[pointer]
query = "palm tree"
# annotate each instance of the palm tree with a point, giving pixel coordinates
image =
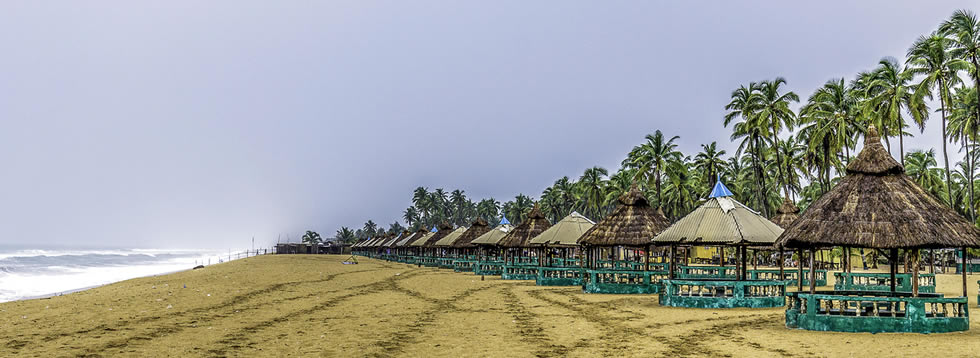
(458, 203)
(395, 228)
(420, 199)
(744, 106)
(411, 217)
(618, 184)
(773, 110)
(890, 92)
(516, 211)
(680, 193)
(651, 158)
(792, 152)
(488, 209)
(929, 56)
(709, 161)
(311, 237)
(964, 123)
(829, 121)
(922, 169)
(345, 235)
(370, 228)
(592, 191)
(963, 30)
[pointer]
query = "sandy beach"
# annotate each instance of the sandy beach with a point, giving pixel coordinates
(315, 306)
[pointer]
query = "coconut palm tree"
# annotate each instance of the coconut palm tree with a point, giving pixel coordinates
(963, 30)
(792, 152)
(651, 157)
(964, 123)
(829, 124)
(618, 184)
(312, 238)
(709, 162)
(345, 235)
(773, 110)
(412, 218)
(489, 209)
(929, 57)
(921, 167)
(751, 129)
(370, 228)
(591, 191)
(890, 93)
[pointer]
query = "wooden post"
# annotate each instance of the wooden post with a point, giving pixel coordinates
(893, 267)
(646, 258)
(963, 271)
(813, 273)
(915, 273)
(673, 260)
(846, 261)
(781, 260)
(799, 274)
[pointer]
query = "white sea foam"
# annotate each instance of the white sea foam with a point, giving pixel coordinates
(27, 273)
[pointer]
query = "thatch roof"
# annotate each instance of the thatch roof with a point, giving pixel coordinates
(493, 236)
(409, 238)
(632, 223)
(444, 229)
(448, 240)
(397, 238)
(787, 213)
(876, 205)
(565, 232)
(531, 227)
(477, 228)
(721, 221)
(420, 240)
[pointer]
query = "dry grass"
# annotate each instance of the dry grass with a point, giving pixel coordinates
(313, 306)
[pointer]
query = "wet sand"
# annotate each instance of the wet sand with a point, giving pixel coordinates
(303, 305)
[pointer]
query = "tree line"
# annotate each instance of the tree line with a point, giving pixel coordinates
(782, 152)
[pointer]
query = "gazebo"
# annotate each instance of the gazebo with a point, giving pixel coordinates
(442, 248)
(464, 247)
(877, 206)
(429, 256)
(416, 245)
(623, 237)
(519, 263)
(490, 261)
(561, 241)
(720, 221)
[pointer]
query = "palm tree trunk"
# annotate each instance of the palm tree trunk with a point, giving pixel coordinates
(969, 182)
(901, 148)
(942, 104)
(756, 159)
(779, 162)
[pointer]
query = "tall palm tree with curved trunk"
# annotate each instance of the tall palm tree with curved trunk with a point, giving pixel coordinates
(964, 123)
(710, 161)
(650, 159)
(618, 184)
(411, 216)
(963, 30)
(751, 135)
(923, 171)
(792, 161)
(890, 93)
(591, 191)
(345, 235)
(773, 110)
(744, 106)
(929, 57)
(829, 122)
(489, 210)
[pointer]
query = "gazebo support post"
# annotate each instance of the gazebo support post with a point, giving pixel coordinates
(673, 260)
(915, 273)
(646, 258)
(846, 264)
(721, 256)
(963, 271)
(893, 266)
(781, 274)
(813, 273)
(799, 267)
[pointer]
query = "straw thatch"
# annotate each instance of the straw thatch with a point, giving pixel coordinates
(787, 214)
(397, 238)
(633, 223)
(444, 229)
(420, 240)
(493, 236)
(721, 221)
(565, 232)
(533, 226)
(477, 229)
(448, 240)
(876, 205)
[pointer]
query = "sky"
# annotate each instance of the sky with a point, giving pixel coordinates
(202, 124)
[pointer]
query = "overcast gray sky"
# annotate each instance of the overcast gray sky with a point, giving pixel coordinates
(181, 124)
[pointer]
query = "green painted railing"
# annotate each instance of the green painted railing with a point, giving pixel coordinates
(630, 265)
(445, 262)
(876, 312)
(464, 265)
(866, 281)
(973, 267)
(490, 268)
(621, 281)
(712, 272)
(559, 276)
(710, 293)
(427, 261)
(788, 275)
(519, 272)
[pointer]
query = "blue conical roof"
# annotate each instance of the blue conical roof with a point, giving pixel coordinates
(434, 229)
(504, 221)
(719, 190)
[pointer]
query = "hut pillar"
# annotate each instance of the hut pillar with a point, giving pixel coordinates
(813, 272)
(799, 267)
(893, 266)
(673, 260)
(781, 263)
(846, 260)
(915, 273)
(963, 272)
(721, 256)
(646, 258)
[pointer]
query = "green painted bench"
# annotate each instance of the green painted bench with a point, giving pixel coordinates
(711, 293)
(621, 281)
(519, 272)
(489, 268)
(788, 275)
(867, 281)
(559, 276)
(876, 312)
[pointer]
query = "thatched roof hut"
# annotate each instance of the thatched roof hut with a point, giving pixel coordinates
(421, 240)
(492, 237)
(787, 214)
(448, 240)
(411, 237)
(721, 220)
(633, 223)
(443, 229)
(477, 229)
(876, 205)
(533, 226)
(565, 232)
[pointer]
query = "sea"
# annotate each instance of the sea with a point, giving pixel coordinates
(32, 273)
